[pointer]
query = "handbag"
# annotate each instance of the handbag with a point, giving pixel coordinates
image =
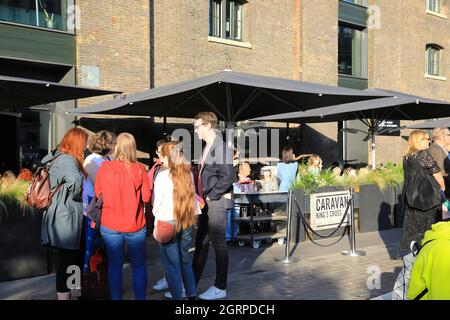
(164, 231)
(95, 284)
(401, 284)
(423, 192)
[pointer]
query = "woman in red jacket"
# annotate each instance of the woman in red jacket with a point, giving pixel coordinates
(124, 185)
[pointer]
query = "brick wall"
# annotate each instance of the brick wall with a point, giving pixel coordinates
(318, 63)
(114, 36)
(397, 59)
(182, 49)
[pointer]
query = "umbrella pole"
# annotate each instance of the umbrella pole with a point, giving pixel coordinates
(373, 150)
(50, 132)
(164, 126)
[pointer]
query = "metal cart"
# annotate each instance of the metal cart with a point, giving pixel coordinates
(245, 202)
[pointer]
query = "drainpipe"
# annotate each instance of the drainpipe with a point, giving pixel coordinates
(152, 44)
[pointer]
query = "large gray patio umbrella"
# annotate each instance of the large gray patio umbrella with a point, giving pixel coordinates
(441, 123)
(372, 112)
(21, 92)
(233, 96)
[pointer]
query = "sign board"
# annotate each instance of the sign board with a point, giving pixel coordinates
(327, 209)
(389, 124)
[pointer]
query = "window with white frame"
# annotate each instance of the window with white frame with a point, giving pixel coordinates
(225, 19)
(433, 63)
(434, 6)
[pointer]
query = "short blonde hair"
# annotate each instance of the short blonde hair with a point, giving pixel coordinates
(438, 133)
(415, 142)
(125, 148)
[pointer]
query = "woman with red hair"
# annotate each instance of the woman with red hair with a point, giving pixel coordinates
(63, 220)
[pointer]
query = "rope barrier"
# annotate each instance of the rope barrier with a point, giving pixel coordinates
(305, 223)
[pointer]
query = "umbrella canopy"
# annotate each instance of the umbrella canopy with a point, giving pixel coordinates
(372, 113)
(233, 96)
(22, 93)
(442, 123)
(399, 106)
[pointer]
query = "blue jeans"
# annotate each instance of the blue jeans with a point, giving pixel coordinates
(92, 243)
(178, 266)
(231, 214)
(115, 247)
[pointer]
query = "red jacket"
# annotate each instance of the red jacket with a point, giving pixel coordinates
(124, 190)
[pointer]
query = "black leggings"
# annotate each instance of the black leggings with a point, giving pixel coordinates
(66, 258)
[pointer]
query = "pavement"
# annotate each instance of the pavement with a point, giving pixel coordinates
(321, 272)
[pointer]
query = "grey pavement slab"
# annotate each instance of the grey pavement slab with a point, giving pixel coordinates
(321, 273)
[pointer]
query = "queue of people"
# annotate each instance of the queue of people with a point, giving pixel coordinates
(179, 198)
(176, 198)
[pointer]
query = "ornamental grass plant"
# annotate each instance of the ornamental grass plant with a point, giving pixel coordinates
(388, 175)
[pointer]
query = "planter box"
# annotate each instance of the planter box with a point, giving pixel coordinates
(298, 230)
(21, 254)
(375, 210)
(398, 209)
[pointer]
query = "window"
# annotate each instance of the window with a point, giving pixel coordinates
(433, 60)
(226, 19)
(363, 3)
(50, 14)
(434, 6)
(352, 51)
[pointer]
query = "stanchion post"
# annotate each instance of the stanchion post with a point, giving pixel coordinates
(287, 259)
(352, 252)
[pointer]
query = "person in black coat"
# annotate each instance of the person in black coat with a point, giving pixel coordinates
(215, 185)
(423, 190)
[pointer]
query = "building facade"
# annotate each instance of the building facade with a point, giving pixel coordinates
(132, 46)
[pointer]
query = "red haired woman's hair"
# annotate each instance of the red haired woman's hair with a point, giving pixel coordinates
(74, 143)
(183, 185)
(25, 175)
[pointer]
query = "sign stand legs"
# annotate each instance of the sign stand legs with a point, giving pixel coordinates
(287, 259)
(352, 252)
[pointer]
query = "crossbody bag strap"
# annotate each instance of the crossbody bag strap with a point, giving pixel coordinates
(424, 291)
(59, 186)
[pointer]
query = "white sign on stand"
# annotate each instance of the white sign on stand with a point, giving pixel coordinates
(327, 209)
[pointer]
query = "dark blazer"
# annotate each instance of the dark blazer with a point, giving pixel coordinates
(217, 173)
(440, 156)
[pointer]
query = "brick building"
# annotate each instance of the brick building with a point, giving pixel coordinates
(136, 45)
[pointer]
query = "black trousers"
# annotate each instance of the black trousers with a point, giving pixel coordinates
(67, 258)
(212, 224)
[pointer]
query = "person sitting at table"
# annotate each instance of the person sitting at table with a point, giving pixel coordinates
(244, 172)
(314, 164)
(287, 169)
(268, 182)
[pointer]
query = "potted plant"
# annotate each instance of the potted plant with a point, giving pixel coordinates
(377, 193)
(21, 255)
(49, 19)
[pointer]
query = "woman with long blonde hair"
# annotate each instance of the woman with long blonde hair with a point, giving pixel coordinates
(124, 186)
(423, 189)
(175, 204)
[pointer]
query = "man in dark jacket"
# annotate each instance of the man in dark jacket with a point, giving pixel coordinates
(438, 150)
(215, 185)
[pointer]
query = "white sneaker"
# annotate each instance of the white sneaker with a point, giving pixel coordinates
(213, 293)
(161, 285)
(168, 295)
